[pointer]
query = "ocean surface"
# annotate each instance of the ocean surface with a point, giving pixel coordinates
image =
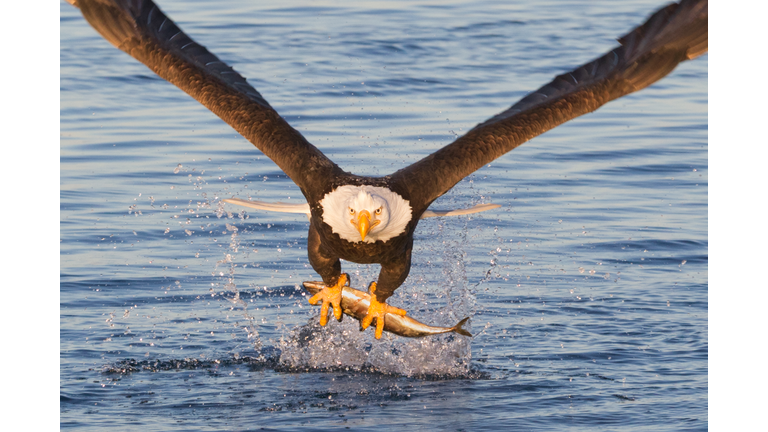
(587, 290)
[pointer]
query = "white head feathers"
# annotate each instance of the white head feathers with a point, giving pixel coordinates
(388, 208)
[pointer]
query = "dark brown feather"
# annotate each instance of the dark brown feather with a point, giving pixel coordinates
(139, 28)
(673, 34)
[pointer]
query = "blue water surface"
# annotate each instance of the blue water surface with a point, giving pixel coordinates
(587, 289)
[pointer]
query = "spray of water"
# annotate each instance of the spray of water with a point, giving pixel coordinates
(230, 286)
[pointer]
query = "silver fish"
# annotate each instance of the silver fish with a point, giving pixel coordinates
(355, 304)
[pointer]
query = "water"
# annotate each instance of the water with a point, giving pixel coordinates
(587, 289)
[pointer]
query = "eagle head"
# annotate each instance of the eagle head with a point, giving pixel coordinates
(365, 213)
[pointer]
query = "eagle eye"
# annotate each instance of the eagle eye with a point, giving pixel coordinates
(378, 211)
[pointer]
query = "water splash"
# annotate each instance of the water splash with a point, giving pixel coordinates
(343, 346)
(231, 286)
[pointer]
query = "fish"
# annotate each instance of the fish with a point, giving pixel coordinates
(355, 304)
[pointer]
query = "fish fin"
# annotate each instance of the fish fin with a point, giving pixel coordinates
(274, 206)
(458, 328)
(476, 209)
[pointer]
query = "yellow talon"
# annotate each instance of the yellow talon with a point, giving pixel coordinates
(330, 295)
(378, 310)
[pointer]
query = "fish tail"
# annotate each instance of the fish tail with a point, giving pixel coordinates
(458, 328)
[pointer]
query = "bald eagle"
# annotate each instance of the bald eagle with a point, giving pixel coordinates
(373, 219)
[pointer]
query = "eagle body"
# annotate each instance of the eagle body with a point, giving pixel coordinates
(328, 241)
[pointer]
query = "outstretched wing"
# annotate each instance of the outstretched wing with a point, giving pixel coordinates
(673, 34)
(139, 28)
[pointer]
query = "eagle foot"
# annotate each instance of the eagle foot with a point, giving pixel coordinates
(378, 310)
(330, 295)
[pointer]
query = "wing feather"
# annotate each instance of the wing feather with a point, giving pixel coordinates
(140, 28)
(649, 52)
(279, 207)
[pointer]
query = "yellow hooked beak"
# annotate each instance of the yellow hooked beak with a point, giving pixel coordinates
(363, 223)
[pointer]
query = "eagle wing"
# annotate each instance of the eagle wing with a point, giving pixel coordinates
(646, 54)
(140, 28)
